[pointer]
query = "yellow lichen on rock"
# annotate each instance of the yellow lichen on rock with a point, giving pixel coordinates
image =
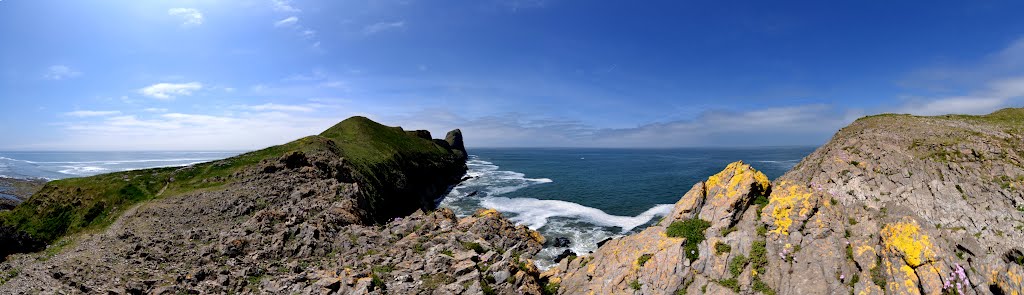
(536, 236)
(486, 213)
(906, 238)
(738, 174)
(783, 201)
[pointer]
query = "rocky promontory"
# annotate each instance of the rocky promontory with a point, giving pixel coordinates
(893, 204)
(348, 211)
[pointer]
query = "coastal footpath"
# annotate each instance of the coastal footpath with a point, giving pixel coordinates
(893, 204)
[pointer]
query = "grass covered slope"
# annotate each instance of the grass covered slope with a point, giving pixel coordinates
(382, 158)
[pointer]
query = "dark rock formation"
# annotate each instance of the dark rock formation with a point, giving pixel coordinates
(561, 242)
(14, 241)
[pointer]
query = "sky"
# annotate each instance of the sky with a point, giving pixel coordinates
(243, 75)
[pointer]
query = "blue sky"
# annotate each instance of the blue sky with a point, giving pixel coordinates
(240, 75)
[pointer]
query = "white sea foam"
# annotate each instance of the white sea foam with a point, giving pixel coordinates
(82, 170)
(584, 226)
(535, 213)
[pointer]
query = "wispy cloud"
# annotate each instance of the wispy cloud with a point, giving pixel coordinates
(189, 131)
(287, 22)
(999, 94)
(276, 107)
(993, 83)
(283, 6)
(190, 16)
(782, 126)
(60, 72)
(383, 26)
(155, 110)
(82, 114)
(516, 5)
(170, 90)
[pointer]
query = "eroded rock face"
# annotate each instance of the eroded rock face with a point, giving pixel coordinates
(655, 262)
(892, 205)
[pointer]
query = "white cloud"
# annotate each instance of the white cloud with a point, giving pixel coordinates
(190, 16)
(383, 26)
(277, 107)
(308, 33)
(779, 126)
(92, 113)
(185, 131)
(283, 6)
(170, 90)
(998, 94)
(155, 110)
(60, 72)
(287, 22)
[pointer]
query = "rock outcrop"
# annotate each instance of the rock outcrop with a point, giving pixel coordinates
(349, 211)
(893, 204)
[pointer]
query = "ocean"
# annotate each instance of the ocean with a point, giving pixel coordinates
(59, 165)
(585, 195)
(588, 195)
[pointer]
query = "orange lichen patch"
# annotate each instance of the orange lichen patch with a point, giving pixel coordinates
(783, 201)
(906, 238)
(487, 213)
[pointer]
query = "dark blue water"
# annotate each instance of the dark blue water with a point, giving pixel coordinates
(588, 195)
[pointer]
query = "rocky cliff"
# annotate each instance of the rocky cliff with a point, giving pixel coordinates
(893, 204)
(346, 211)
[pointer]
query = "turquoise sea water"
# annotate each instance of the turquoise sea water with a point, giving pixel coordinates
(588, 195)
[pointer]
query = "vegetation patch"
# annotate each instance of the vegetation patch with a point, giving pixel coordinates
(473, 246)
(737, 264)
(643, 259)
(730, 283)
(551, 289)
(434, 281)
(693, 231)
(635, 284)
(721, 248)
(876, 274)
(761, 286)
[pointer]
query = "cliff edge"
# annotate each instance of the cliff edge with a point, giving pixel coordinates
(893, 204)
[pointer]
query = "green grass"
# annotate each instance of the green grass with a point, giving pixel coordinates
(730, 283)
(376, 152)
(473, 246)
(876, 274)
(693, 231)
(550, 289)
(737, 264)
(722, 248)
(760, 286)
(635, 284)
(759, 256)
(643, 259)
